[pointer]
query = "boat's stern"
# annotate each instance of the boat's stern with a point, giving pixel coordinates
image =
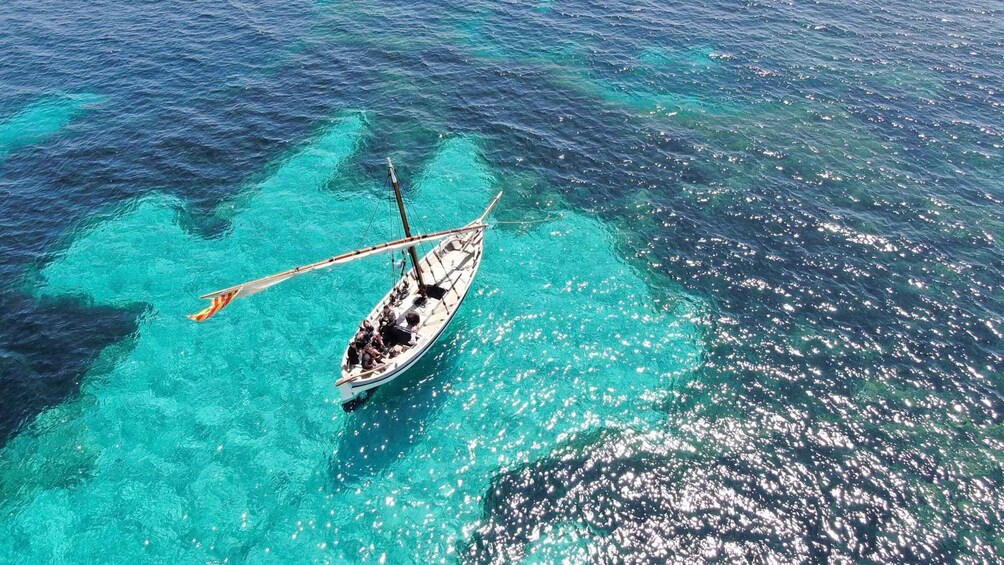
(345, 387)
(354, 400)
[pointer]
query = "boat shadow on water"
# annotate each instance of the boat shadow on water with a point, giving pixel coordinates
(385, 426)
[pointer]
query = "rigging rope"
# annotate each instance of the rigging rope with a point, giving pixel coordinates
(441, 215)
(373, 216)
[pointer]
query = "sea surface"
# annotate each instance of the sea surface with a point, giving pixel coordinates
(742, 298)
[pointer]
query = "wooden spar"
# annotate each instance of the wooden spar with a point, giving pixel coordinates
(345, 257)
(489, 208)
(404, 220)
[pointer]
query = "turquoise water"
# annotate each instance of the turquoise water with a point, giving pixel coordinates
(741, 301)
(41, 120)
(207, 441)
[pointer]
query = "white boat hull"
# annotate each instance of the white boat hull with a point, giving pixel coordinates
(451, 266)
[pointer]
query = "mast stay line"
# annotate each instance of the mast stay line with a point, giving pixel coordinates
(252, 287)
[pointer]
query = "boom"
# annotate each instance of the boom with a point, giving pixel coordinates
(252, 287)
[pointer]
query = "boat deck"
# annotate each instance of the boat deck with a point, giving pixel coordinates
(450, 267)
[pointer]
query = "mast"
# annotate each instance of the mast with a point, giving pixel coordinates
(404, 220)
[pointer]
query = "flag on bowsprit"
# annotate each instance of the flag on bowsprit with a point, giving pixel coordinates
(219, 302)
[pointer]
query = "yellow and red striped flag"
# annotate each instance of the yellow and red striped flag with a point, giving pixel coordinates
(218, 303)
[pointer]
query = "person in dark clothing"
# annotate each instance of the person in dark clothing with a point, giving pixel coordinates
(387, 316)
(367, 329)
(412, 319)
(378, 343)
(353, 355)
(395, 335)
(371, 357)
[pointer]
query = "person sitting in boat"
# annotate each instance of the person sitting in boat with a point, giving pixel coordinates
(353, 355)
(387, 316)
(367, 329)
(373, 356)
(360, 338)
(412, 319)
(394, 335)
(366, 359)
(378, 343)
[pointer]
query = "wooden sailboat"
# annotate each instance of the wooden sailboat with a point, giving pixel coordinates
(405, 324)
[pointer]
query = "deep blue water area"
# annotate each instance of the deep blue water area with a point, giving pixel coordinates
(757, 314)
